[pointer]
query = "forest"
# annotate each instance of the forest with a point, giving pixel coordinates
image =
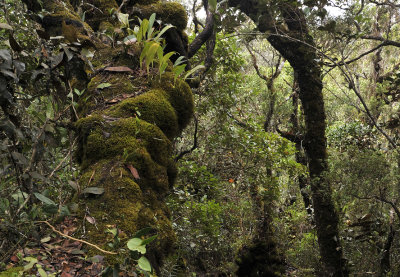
(199, 138)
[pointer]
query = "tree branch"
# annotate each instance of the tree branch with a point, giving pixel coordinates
(195, 145)
(204, 35)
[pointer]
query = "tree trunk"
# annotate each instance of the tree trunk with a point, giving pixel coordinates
(125, 130)
(297, 46)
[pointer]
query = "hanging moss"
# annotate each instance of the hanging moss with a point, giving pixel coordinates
(152, 107)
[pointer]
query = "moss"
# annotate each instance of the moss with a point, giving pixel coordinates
(168, 12)
(94, 97)
(152, 107)
(179, 95)
(124, 205)
(101, 13)
(12, 272)
(57, 13)
(151, 137)
(106, 27)
(118, 56)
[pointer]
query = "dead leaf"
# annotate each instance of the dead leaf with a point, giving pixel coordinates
(134, 171)
(90, 219)
(118, 69)
(14, 259)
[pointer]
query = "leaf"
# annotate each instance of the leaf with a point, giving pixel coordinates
(144, 264)
(118, 69)
(143, 232)
(42, 34)
(5, 54)
(130, 40)
(41, 272)
(150, 28)
(134, 171)
(14, 44)
(57, 60)
(73, 184)
(20, 158)
(148, 240)
(178, 70)
(93, 190)
(5, 26)
(166, 28)
(135, 244)
(44, 199)
(90, 219)
(104, 85)
(45, 239)
(179, 61)
(193, 70)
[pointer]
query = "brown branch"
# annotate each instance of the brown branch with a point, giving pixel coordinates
(72, 238)
(204, 35)
(195, 144)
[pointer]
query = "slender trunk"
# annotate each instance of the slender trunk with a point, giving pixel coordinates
(297, 46)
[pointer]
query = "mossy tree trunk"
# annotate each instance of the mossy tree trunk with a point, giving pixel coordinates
(125, 128)
(297, 46)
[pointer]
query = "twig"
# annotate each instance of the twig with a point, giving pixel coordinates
(63, 160)
(72, 238)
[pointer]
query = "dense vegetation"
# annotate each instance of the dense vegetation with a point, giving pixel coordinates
(206, 138)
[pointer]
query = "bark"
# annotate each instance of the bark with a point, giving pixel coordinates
(297, 46)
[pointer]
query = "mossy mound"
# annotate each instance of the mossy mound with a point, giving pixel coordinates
(180, 96)
(123, 205)
(168, 12)
(152, 107)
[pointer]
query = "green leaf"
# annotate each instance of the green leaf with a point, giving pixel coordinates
(158, 37)
(148, 240)
(104, 85)
(193, 70)
(44, 199)
(135, 244)
(150, 29)
(143, 232)
(179, 60)
(41, 272)
(144, 264)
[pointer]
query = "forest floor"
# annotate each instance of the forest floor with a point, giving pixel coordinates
(57, 255)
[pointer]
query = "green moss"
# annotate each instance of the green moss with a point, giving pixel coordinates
(150, 136)
(57, 13)
(120, 87)
(179, 95)
(12, 272)
(152, 107)
(168, 12)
